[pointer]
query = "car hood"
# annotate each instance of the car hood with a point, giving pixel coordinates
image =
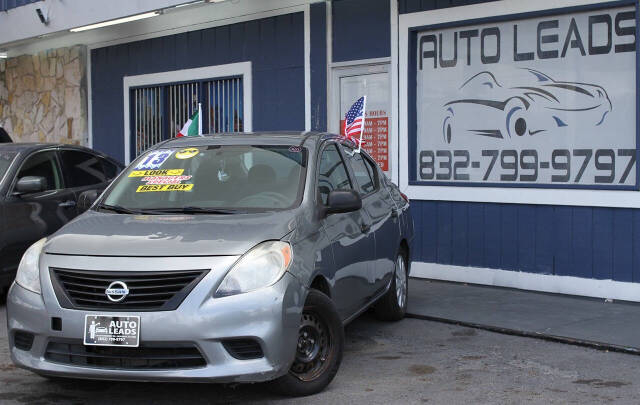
(106, 234)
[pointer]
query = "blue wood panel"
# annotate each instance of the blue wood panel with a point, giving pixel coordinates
(9, 4)
(509, 233)
(566, 241)
(444, 241)
(459, 220)
(274, 45)
(526, 238)
(543, 240)
(429, 232)
(561, 237)
(361, 29)
(318, 45)
(492, 236)
(476, 235)
(623, 244)
(413, 6)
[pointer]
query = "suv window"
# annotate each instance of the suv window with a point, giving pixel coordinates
(332, 173)
(43, 164)
(364, 173)
(82, 169)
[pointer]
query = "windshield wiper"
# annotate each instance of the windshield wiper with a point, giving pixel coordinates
(196, 210)
(117, 208)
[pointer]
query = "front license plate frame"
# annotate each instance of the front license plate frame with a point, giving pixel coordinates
(111, 330)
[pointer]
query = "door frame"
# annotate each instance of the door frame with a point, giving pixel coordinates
(361, 68)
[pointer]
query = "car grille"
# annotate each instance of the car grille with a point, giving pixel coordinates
(148, 290)
(128, 358)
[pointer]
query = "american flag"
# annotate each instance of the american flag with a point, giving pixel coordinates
(354, 121)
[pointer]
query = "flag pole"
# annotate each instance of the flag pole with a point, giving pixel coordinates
(200, 119)
(364, 118)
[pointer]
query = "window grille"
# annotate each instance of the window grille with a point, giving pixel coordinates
(159, 112)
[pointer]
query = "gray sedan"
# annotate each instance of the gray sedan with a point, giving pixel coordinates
(228, 258)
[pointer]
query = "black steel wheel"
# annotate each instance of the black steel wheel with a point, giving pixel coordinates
(318, 350)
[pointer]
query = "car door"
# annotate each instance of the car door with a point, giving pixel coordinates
(85, 171)
(33, 216)
(380, 208)
(351, 242)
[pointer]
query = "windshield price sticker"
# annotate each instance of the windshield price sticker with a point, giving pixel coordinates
(526, 102)
(164, 187)
(154, 160)
(161, 172)
(166, 179)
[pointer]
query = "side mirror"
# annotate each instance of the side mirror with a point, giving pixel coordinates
(31, 184)
(86, 199)
(340, 201)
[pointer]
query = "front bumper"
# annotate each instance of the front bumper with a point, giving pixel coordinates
(270, 316)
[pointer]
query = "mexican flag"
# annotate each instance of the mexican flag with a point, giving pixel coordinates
(193, 126)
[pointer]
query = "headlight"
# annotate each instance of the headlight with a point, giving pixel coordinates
(260, 267)
(28, 275)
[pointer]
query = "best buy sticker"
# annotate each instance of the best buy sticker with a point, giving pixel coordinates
(161, 172)
(187, 153)
(164, 187)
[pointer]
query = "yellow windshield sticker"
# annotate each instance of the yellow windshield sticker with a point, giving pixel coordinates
(187, 153)
(164, 187)
(160, 172)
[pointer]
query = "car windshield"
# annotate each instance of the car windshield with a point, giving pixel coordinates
(6, 158)
(217, 179)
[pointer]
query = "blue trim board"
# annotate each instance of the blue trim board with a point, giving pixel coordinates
(318, 21)
(413, 6)
(594, 243)
(411, 93)
(274, 45)
(361, 29)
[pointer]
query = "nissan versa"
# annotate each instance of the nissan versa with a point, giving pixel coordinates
(219, 259)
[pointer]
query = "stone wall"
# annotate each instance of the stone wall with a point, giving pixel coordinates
(43, 97)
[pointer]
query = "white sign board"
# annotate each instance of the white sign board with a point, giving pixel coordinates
(538, 102)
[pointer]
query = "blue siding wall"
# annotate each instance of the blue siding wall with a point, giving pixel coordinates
(361, 29)
(9, 4)
(567, 241)
(412, 6)
(318, 23)
(275, 46)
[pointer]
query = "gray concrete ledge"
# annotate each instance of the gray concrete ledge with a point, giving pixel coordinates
(575, 320)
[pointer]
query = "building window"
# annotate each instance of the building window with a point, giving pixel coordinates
(159, 112)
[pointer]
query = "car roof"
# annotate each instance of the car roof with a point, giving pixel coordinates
(250, 138)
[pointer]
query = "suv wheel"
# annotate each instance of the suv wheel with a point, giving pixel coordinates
(319, 349)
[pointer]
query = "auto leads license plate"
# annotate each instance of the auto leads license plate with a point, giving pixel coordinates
(102, 330)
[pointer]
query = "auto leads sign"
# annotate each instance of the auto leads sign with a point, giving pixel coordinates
(540, 101)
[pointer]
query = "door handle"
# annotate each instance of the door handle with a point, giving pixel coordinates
(67, 204)
(364, 227)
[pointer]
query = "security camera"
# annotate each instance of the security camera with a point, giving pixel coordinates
(43, 19)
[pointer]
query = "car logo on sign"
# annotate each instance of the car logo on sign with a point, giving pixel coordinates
(117, 291)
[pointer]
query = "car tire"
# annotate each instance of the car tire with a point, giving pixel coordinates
(393, 305)
(321, 336)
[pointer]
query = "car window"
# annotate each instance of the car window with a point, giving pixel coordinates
(110, 170)
(82, 169)
(6, 158)
(363, 172)
(332, 173)
(43, 164)
(251, 178)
